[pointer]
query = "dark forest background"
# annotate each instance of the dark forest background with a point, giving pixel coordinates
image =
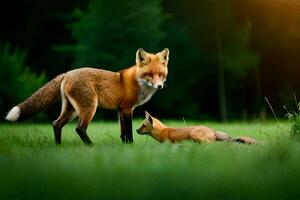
(225, 55)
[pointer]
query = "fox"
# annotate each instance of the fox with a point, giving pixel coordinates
(200, 134)
(84, 89)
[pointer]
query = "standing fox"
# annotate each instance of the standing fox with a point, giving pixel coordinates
(201, 134)
(83, 90)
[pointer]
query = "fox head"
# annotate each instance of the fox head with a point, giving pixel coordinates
(152, 69)
(150, 126)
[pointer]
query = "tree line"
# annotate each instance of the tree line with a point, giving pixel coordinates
(225, 56)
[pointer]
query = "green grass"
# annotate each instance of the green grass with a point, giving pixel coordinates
(33, 167)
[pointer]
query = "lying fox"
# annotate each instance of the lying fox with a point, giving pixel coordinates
(83, 90)
(201, 134)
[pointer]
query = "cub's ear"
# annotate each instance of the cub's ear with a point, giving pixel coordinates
(165, 54)
(147, 114)
(150, 120)
(141, 56)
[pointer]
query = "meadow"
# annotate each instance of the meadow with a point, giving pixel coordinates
(33, 167)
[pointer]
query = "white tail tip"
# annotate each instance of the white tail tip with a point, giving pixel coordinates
(13, 114)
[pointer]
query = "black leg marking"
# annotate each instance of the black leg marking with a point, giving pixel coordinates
(84, 137)
(57, 131)
(126, 127)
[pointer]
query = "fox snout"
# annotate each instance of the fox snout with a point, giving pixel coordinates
(149, 83)
(158, 82)
(138, 131)
(158, 86)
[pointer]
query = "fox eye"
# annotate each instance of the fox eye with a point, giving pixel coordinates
(161, 75)
(148, 75)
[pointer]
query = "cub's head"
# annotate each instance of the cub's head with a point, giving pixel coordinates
(152, 69)
(147, 126)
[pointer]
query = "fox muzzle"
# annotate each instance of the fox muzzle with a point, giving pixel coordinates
(139, 132)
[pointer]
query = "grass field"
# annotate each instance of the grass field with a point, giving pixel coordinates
(33, 167)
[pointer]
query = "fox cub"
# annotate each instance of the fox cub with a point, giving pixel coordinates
(202, 134)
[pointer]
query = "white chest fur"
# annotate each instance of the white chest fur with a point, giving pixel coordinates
(145, 94)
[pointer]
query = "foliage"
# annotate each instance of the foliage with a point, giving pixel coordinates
(225, 42)
(255, 43)
(108, 33)
(294, 117)
(17, 80)
(109, 39)
(236, 55)
(181, 67)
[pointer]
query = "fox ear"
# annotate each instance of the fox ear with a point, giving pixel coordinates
(147, 114)
(141, 56)
(150, 120)
(165, 54)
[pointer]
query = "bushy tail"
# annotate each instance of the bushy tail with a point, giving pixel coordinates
(221, 136)
(38, 101)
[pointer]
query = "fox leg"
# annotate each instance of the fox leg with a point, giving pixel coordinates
(126, 126)
(59, 123)
(84, 102)
(196, 137)
(86, 115)
(66, 115)
(81, 130)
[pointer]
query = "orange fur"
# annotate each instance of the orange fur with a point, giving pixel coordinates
(202, 134)
(83, 90)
